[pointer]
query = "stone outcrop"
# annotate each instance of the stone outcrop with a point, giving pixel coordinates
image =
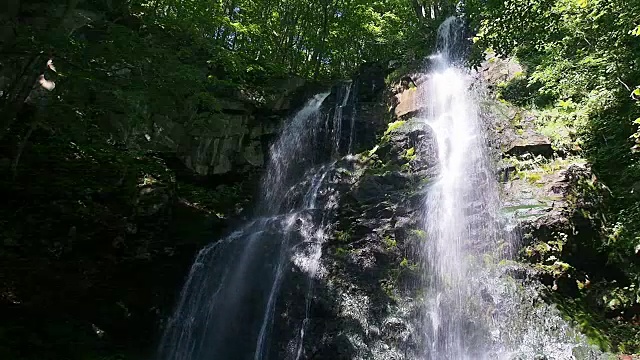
(235, 137)
(530, 142)
(362, 306)
(513, 131)
(409, 95)
(495, 70)
(541, 201)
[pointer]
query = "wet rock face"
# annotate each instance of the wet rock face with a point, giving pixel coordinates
(364, 300)
(233, 139)
(530, 142)
(364, 304)
(512, 131)
(407, 101)
(370, 82)
(369, 112)
(362, 307)
(542, 204)
(231, 135)
(495, 70)
(369, 258)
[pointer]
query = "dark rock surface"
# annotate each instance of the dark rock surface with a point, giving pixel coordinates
(362, 307)
(236, 137)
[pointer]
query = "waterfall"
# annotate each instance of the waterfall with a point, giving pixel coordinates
(461, 205)
(471, 308)
(252, 295)
(228, 306)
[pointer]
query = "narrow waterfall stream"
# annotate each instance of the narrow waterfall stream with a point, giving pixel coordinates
(227, 307)
(461, 205)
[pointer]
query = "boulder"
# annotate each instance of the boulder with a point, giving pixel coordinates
(513, 130)
(495, 69)
(530, 142)
(547, 203)
(409, 97)
(282, 99)
(408, 103)
(214, 143)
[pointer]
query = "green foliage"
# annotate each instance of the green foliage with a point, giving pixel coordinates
(390, 242)
(343, 236)
(394, 126)
(73, 218)
(224, 201)
(580, 57)
(123, 66)
(583, 65)
(341, 252)
(309, 38)
(391, 128)
(410, 155)
(419, 234)
(533, 178)
(407, 265)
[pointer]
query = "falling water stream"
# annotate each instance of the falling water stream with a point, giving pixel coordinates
(472, 310)
(227, 307)
(461, 205)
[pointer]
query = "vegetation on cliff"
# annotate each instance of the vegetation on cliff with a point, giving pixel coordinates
(582, 71)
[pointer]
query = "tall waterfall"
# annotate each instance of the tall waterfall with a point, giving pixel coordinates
(260, 293)
(228, 306)
(461, 204)
(472, 308)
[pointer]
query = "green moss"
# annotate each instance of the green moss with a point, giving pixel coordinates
(223, 201)
(419, 234)
(394, 126)
(409, 155)
(343, 236)
(388, 287)
(341, 252)
(390, 242)
(533, 177)
(373, 151)
(597, 328)
(516, 120)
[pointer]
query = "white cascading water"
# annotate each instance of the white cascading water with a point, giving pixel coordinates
(473, 310)
(460, 205)
(227, 308)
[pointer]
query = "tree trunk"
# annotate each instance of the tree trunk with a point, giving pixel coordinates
(323, 38)
(14, 98)
(23, 144)
(8, 16)
(418, 7)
